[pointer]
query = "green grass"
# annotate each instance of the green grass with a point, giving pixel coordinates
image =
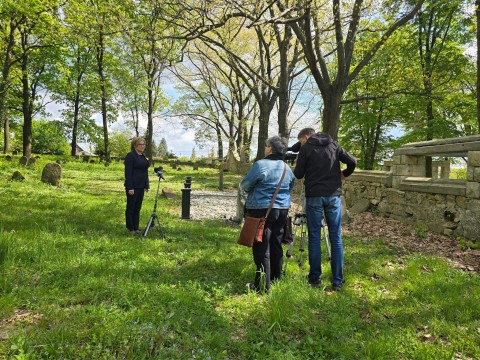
(74, 285)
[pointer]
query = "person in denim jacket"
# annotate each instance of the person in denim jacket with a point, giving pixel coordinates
(260, 183)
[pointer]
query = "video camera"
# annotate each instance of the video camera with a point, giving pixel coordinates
(290, 156)
(159, 172)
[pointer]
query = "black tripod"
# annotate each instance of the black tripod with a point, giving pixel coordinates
(154, 221)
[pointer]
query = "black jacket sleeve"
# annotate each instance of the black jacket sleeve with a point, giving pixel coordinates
(348, 159)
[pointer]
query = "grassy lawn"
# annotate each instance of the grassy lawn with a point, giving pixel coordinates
(75, 285)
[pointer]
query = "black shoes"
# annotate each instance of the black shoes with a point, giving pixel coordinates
(315, 283)
(337, 287)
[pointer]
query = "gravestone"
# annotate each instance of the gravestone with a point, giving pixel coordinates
(23, 160)
(17, 176)
(52, 174)
(31, 161)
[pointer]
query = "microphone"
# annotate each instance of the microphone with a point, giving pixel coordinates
(159, 172)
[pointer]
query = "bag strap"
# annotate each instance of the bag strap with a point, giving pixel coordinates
(276, 190)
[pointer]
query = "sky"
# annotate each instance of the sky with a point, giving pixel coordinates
(181, 141)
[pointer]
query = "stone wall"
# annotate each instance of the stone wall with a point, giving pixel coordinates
(450, 207)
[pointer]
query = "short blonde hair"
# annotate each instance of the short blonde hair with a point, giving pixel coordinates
(135, 142)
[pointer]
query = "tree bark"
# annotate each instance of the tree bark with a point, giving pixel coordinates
(477, 12)
(4, 84)
(103, 93)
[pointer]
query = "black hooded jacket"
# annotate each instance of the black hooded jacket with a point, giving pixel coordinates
(319, 162)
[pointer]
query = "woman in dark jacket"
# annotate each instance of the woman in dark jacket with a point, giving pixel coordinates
(136, 183)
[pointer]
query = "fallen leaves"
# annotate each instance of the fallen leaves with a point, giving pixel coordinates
(367, 227)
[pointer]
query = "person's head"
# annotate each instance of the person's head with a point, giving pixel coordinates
(304, 134)
(276, 145)
(138, 144)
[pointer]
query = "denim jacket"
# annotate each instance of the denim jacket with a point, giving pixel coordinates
(261, 182)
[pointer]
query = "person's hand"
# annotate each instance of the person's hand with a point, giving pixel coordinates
(146, 190)
(131, 192)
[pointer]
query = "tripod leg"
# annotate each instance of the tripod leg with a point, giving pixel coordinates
(327, 241)
(303, 239)
(288, 255)
(147, 228)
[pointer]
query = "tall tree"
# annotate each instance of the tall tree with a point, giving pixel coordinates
(37, 46)
(440, 31)
(477, 12)
(147, 36)
(330, 42)
(10, 20)
(215, 101)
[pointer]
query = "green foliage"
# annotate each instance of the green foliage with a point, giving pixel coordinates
(162, 149)
(48, 138)
(120, 143)
(467, 244)
(421, 230)
(75, 285)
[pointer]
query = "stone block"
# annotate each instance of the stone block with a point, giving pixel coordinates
(418, 171)
(470, 225)
(461, 202)
(474, 205)
(410, 159)
(470, 173)
(473, 190)
(448, 232)
(402, 170)
(476, 174)
(360, 206)
(473, 158)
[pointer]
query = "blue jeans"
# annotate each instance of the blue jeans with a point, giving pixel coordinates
(331, 206)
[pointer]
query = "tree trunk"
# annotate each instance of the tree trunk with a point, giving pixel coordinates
(7, 64)
(219, 142)
(150, 121)
(6, 134)
(477, 11)
(76, 111)
(103, 94)
(284, 81)
(26, 104)
(331, 112)
(262, 129)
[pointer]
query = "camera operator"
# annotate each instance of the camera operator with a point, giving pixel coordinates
(136, 183)
(319, 161)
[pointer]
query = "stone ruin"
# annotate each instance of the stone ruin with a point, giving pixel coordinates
(442, 205)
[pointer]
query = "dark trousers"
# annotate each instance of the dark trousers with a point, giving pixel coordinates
(134, 205)
(268, 255)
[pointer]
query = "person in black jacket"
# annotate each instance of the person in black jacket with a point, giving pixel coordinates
(136, 183)
(319, 161)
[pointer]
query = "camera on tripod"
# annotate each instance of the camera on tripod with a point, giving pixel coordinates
(159, 172)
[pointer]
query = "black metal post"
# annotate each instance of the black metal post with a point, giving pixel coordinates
(186, 192)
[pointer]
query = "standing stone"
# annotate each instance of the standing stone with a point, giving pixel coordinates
(52, 174)
(17, 176)
(31, 161)
(23, 160)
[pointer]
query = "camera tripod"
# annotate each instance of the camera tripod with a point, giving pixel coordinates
(154, 222)
(299, 227)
